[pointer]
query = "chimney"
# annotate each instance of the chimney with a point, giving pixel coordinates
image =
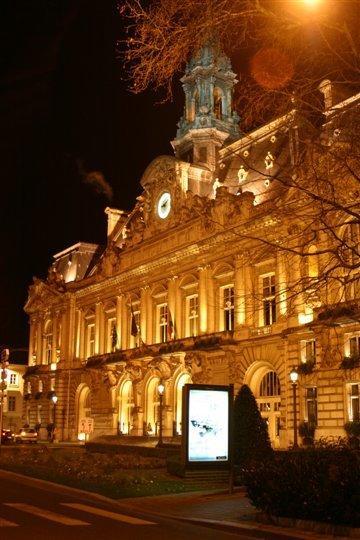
(114, 215)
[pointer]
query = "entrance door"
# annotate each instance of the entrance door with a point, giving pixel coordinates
(269, 405)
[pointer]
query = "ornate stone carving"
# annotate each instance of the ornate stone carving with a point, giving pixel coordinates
(112, 374)
(160, 368)
(198, 367)
(135, 372)
(110, 261)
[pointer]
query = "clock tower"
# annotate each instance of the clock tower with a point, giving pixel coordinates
(209, 119)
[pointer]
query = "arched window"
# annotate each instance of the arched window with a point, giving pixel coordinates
(218, 103)
(270, 385)
(312, 260)
(152, 406)
(182, 380)
(126, 407)
(83, 409)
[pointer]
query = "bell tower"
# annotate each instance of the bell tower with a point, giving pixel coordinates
(209, 119)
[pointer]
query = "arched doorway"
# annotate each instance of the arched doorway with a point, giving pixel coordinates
(269, 399)
(126, 407)
(83, 408)
(265, 385)
(183, 379)
(152, 406)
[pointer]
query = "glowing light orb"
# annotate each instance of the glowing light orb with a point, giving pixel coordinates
(271, 68)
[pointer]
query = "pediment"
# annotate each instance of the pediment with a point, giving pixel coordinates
(41, 296)
(161, 171)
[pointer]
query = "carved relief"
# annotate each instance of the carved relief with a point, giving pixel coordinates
(198, 367)
(110, 262)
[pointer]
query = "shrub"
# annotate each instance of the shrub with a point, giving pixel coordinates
(306, 430)
(350, 362)
(352, 429)
(306, 367)
(321, 483)
(251, 437)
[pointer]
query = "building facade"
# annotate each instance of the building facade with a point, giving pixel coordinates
(13, 402)
(184, 293)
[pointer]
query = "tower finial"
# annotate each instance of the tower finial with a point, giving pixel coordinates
(209, 118)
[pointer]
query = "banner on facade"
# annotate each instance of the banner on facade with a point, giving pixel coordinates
(86, 425)
(206, 417)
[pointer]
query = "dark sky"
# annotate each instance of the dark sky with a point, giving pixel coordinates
(63, 98)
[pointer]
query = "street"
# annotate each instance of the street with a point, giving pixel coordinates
(37, 513)
(30, 510)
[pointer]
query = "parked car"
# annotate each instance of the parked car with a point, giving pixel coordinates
(26, 435)
(6, 436)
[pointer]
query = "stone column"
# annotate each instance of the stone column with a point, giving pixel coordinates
(39, 340)
(150, 318)
(144, 312)
(179, 311)
(171, 299)
(124, 324)
(211, 301)
(203, 301)
(82, 343)
(54, 338)
(31, 344)
(69, 348)
(250, 289)
(119, 302)
(98, 307)
(281, 283)
(239, 291)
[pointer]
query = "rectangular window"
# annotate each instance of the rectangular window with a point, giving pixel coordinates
(11, 403)
(311, 405)
(268, 302)
(48, 348)
(13, 379)
(354, 345)
(162, 323)
(90, 340)
(308, 351)
(135, 340)
(354, 402)
(192, 315)
(228, 307)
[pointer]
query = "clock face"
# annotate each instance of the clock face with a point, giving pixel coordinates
(164, 205)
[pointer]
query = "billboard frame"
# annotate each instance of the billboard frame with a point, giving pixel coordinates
(205, 465)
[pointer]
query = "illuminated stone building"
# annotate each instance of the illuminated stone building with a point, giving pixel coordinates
(181, 294)
(13, 401)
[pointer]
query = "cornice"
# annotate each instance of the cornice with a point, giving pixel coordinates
(196, 249)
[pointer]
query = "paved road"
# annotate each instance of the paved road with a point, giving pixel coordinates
(35, 512)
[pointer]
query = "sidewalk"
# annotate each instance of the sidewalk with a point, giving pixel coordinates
(233, 512)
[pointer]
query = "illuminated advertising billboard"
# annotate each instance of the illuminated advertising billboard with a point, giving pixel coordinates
(207, 423)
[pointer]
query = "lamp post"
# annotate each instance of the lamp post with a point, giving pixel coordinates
(294, 379)
(161, 390)
(54, 400)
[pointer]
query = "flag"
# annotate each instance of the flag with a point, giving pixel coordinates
(114, 338)
(170, 326)
(134, 326)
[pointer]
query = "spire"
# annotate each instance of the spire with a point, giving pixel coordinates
(208, 118)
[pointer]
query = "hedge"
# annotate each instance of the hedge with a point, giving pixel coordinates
(320, 484)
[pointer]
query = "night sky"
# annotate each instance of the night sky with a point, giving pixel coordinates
(64, 101)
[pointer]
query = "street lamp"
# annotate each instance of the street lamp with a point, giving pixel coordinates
(294, 376)
(54, 399)
(161, 390)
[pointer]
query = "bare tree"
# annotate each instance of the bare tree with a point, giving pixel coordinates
(287, 48)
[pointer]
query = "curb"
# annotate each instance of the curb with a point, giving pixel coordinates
(301, 532)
